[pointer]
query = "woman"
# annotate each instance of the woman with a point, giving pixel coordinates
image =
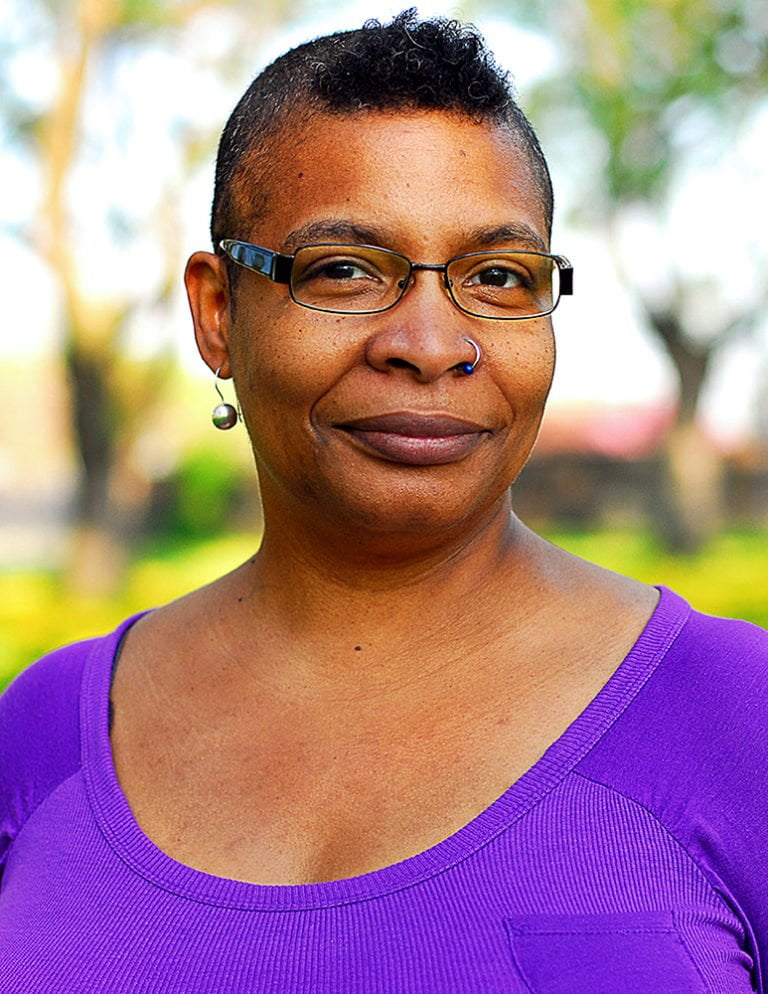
(305, 783)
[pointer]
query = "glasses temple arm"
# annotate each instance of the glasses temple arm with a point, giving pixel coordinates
(260, 260)
(566, 275)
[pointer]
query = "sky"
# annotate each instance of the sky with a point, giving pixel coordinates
(131, 161)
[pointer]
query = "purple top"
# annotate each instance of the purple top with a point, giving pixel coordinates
(631, 858)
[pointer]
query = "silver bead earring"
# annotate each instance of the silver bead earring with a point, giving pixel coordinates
(223, 416)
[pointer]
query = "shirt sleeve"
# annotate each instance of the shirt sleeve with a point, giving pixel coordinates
(39, 737)
(693, 749)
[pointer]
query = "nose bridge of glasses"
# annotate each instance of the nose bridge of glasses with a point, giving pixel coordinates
(404, 280)
(429, 267)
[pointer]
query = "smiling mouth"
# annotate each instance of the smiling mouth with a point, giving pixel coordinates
(416, 439)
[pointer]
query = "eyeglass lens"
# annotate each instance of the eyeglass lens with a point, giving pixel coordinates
(361, 279)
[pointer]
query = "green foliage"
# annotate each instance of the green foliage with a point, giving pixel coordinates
(202, 495)
(649, 76)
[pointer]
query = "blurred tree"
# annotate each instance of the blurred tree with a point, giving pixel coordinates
(84, 45)
(646, 95)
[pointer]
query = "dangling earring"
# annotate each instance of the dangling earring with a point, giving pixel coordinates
(224, 416)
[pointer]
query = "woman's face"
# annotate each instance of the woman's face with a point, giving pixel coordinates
(365, 419)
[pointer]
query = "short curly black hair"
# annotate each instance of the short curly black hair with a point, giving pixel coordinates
(408, 64)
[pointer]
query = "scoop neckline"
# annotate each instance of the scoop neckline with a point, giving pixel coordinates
(122, 832)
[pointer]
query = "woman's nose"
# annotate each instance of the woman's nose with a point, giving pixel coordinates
(423, 334)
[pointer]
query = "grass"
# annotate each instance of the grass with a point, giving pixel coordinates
(36, 613)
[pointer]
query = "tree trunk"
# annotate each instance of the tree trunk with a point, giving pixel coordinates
(690, 507)
(97, 557)
(692, 479)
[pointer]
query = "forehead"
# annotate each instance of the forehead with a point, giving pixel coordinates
(416, 181)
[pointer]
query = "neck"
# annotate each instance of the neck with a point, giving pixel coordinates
(345, 604)
(374, 562)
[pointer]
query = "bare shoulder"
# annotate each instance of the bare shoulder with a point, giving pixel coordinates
(180, 641)
(583, 587)
(603, 593)
(592, 613)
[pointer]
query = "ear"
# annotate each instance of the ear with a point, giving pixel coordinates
(208, 293)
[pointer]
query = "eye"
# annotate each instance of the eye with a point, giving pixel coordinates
(503, 277)
(339, 270)
(336, 277)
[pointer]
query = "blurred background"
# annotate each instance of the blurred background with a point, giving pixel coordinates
(117, 494)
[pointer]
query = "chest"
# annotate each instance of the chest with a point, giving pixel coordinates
(278, 799)
(234, 772)
(284, 792)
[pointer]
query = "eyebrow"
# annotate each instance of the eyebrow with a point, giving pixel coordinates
(333, 229)
(515, 232)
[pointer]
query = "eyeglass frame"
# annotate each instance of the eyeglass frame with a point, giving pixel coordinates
(278, 267)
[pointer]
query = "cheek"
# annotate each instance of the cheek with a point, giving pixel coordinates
(269, 347)
(548, 366)
(285, 360)
(529, 365)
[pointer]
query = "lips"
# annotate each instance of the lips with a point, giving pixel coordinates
(415, 439)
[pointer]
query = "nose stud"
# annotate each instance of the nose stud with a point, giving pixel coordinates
(467, 368)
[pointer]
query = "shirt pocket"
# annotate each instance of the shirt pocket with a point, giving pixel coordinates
(637, 953)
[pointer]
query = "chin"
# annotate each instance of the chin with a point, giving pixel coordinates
(417, 515)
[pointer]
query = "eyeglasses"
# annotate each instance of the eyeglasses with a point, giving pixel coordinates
(366, 279)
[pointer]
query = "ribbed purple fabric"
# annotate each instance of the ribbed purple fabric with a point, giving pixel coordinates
(631, 859)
